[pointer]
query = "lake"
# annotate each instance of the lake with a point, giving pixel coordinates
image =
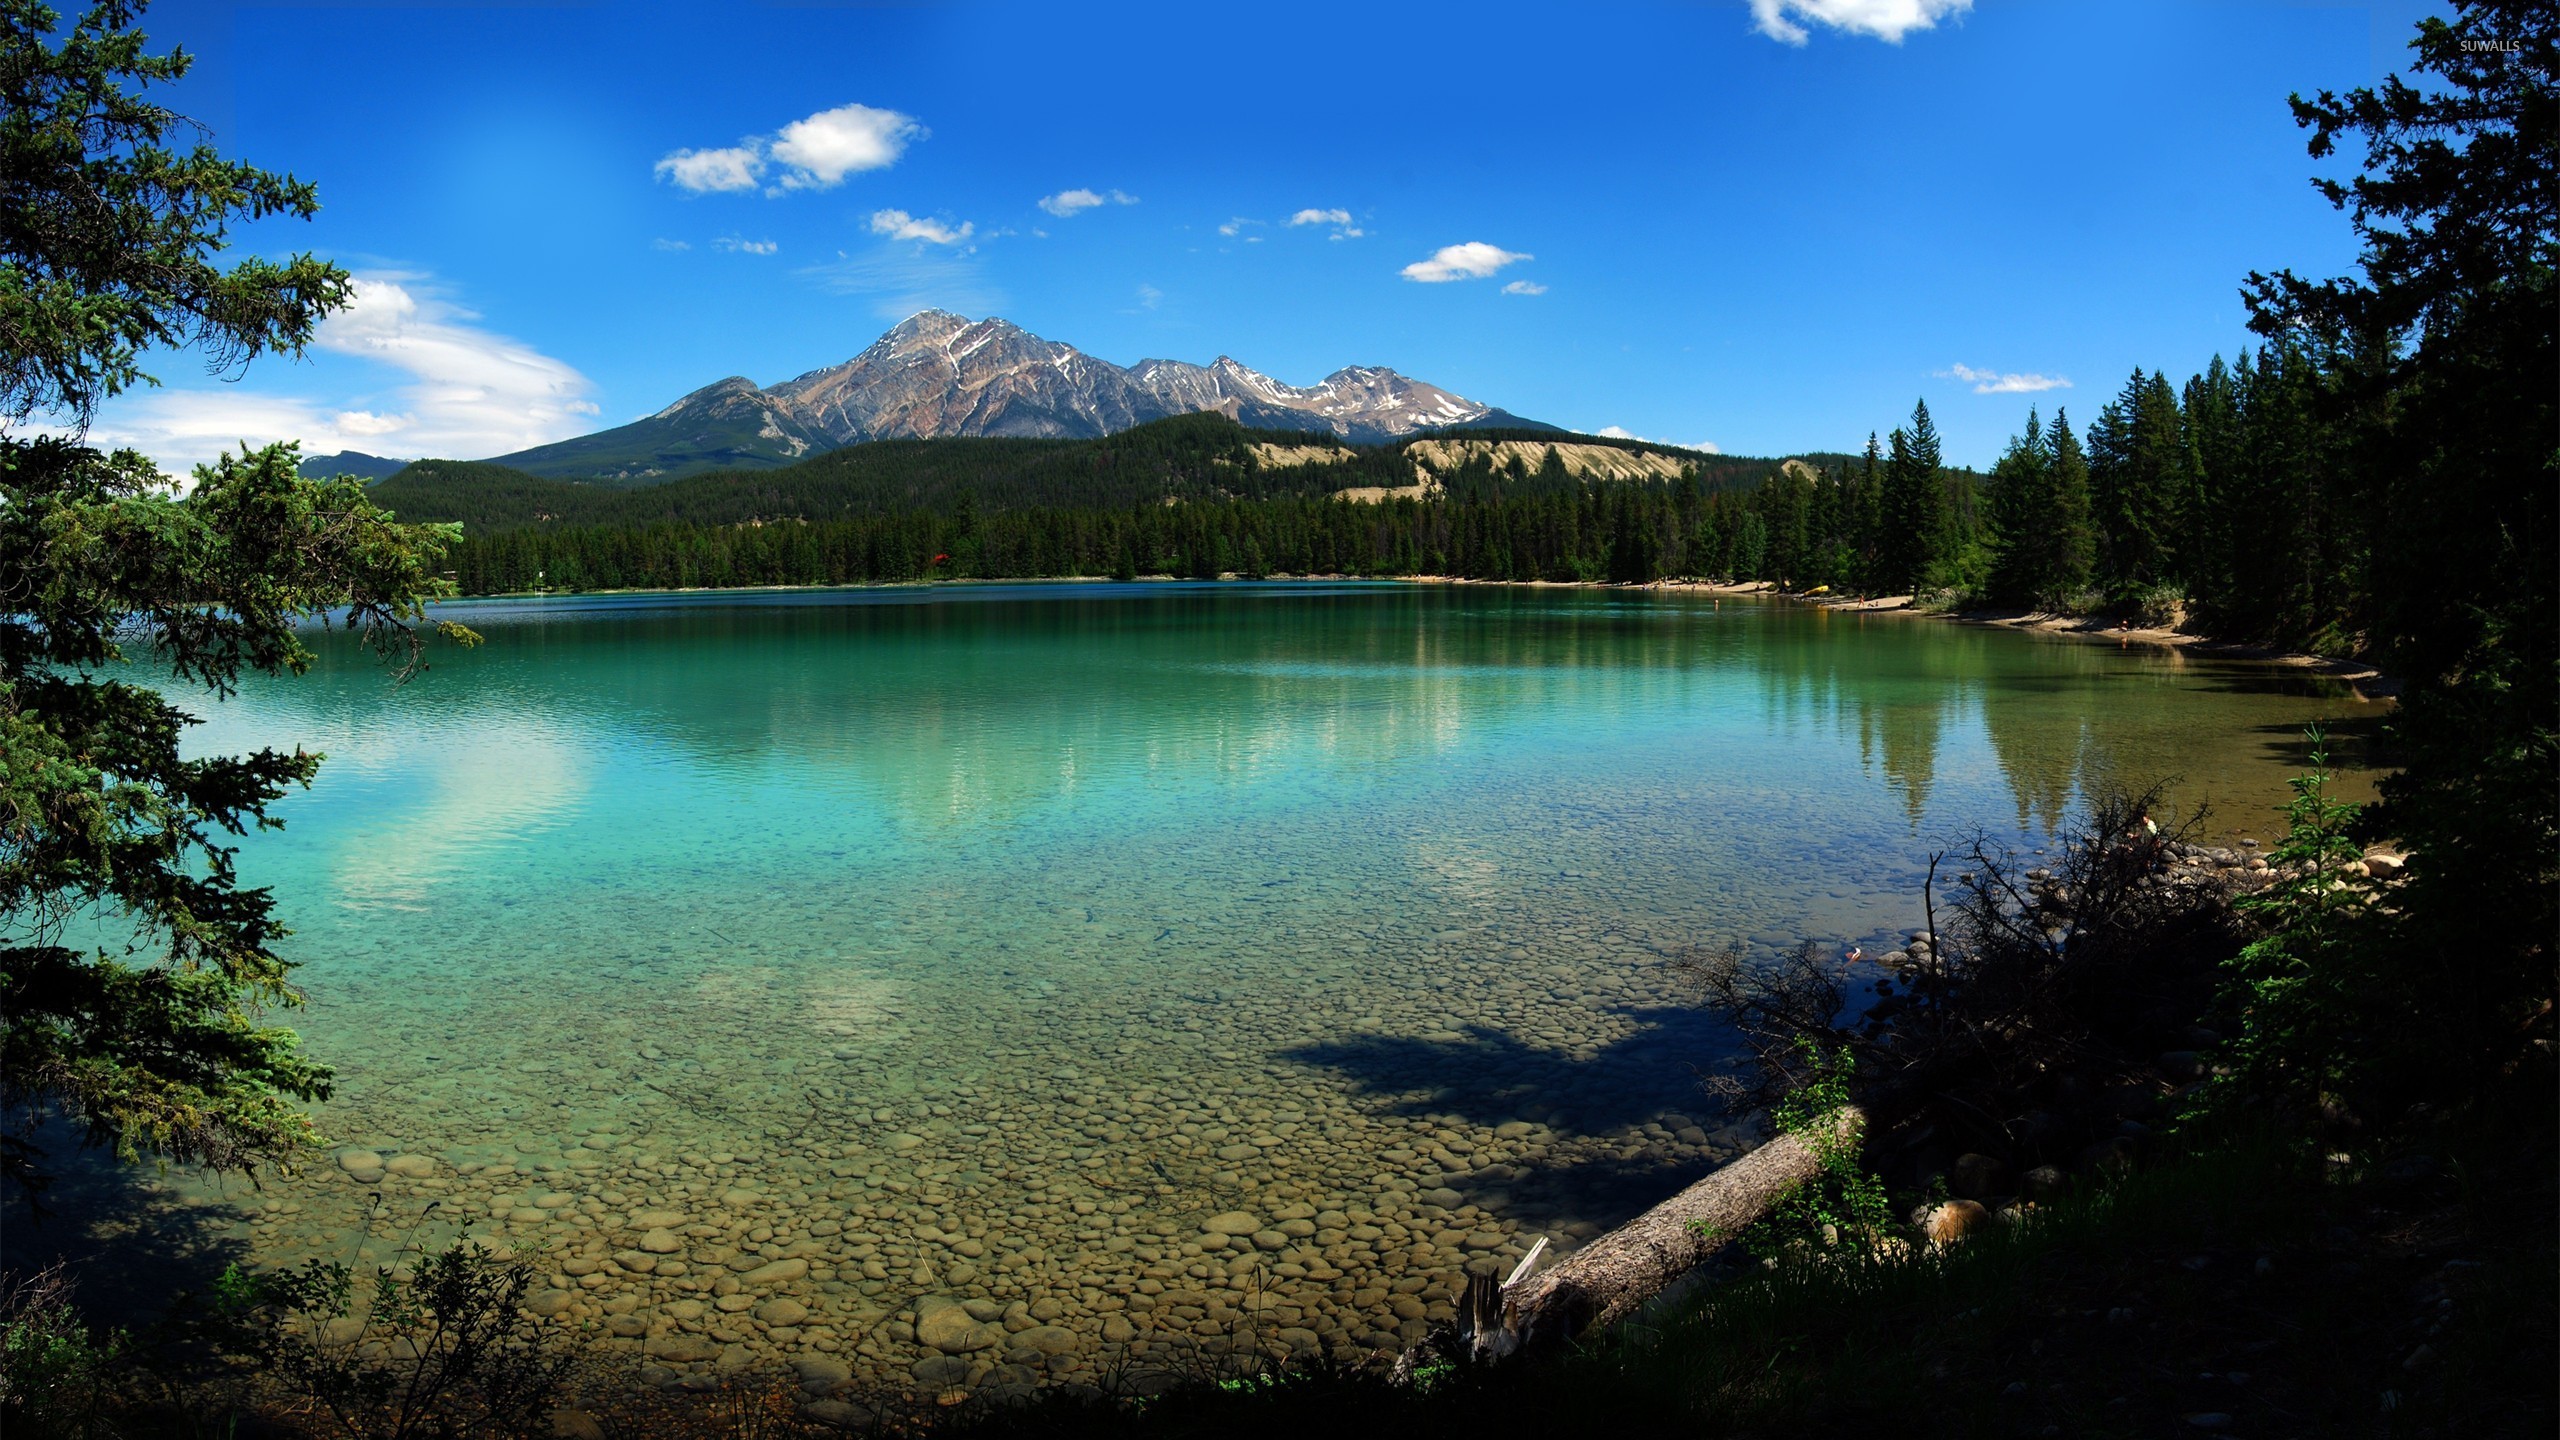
(1164, 966)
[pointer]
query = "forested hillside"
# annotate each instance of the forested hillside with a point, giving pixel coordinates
(1194, 495)
(2224, 499)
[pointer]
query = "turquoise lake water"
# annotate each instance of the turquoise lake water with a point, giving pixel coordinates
(989, 942)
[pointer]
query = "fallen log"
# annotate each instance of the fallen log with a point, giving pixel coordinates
(1613, 1276)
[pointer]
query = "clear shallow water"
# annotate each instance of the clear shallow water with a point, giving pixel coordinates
(990, 943)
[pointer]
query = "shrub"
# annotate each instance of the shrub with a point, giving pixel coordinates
(2303, 988)
(55, 1375)
(442, 1349)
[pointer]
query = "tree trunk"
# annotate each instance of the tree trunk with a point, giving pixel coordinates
(1616, 1274)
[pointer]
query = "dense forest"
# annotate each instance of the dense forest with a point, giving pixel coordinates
(1192, 496)
(2222, 497)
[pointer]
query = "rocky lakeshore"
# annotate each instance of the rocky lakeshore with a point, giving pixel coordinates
(1061, 1210)
(1141, 1235)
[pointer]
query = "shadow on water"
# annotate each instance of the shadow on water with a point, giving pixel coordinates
(123, 1232)
(1484, 1076)
(2356, 743)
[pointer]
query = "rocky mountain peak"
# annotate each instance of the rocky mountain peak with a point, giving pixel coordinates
(936, 373)
(926, 322)
(712, 396)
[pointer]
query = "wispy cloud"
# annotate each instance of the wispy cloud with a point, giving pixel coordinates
(1524, 287)
(663, 243)
(1339, 219)
(1621, 432)
(1149, 297)
(1473, 260)
(1236, 228)
(1992, 382)
(1075, 202)
(1887, 20)
(903, 279)
(899, 225)
(465, 391)
(736, 246)
(707, 172)
(814, 153)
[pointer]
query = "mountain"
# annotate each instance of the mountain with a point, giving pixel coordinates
(1192, 463)
(350, 462)
(937, 374)
(726, 425)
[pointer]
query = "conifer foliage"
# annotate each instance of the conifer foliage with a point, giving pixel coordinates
(135, 971)
(2420, 405)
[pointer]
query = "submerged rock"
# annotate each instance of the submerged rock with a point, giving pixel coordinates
(819, 1374)
(682, 1349)
(945, 1324)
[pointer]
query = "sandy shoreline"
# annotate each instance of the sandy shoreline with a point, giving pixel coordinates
(2369, 682)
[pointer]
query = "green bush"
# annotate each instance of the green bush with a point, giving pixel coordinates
(443, 1347)
(2302, 988)
(55, 1373)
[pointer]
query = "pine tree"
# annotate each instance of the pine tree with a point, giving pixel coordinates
(162, 1043)
(2073, 537)
(2444, 385)
(2038, 516)
(2213, 528)
(2139, 478)
(1913, 522)
(1866, 518)
(1750, 546)
(2015, 501)
(2167, 459)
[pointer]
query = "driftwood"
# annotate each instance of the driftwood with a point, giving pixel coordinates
(1613, 1276)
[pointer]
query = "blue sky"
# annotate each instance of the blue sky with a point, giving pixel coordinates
(1764, 226)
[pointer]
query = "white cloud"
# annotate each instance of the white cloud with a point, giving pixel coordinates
(1149, 297)
(1524, 287)
(465, 392)
(832, 144)
(1992, 382)
(662, 243)
(1075, 202)
(1887, 20)
(1621, 432)
(365, 422)
(815, 153)
(899, 225)
(1236, 227)
(1339, 219)
(736, 246)
(704, 172)
(1472, 261)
